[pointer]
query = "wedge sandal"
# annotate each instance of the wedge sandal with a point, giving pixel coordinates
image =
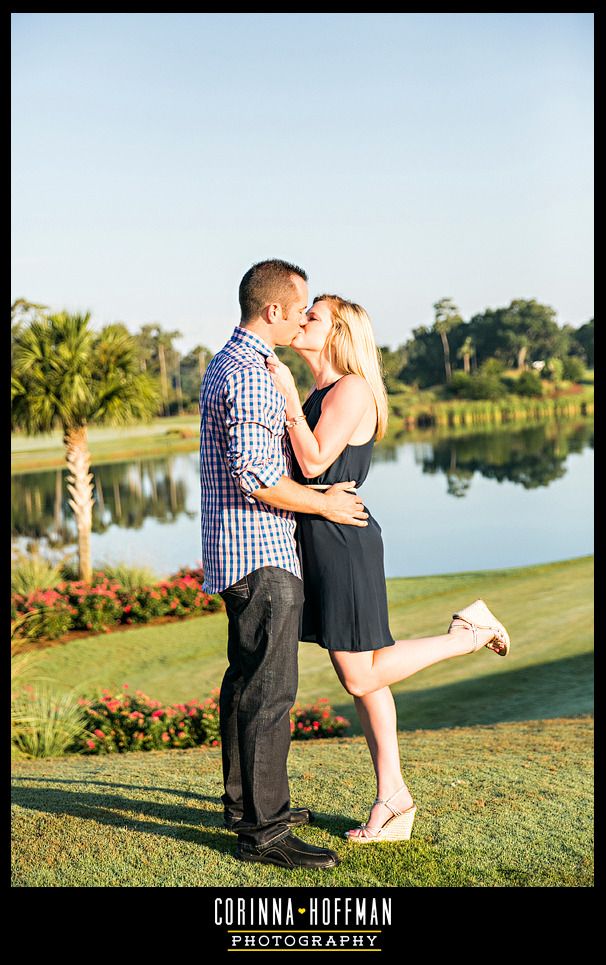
(396, 828)
(479, 617)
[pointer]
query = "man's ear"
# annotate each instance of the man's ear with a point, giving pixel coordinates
(273, 313)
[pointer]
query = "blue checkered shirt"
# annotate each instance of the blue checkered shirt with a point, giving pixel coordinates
(243, 447)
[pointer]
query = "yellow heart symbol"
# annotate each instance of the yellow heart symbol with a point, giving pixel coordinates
(301, 910)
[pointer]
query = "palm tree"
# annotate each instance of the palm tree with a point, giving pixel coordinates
(465, 352)
(65, 374)
(446, 318)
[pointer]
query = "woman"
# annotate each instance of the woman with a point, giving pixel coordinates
(345, 610)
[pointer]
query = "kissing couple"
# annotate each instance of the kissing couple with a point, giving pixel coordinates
(296, 555)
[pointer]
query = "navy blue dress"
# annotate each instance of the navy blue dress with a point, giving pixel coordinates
(343, 571)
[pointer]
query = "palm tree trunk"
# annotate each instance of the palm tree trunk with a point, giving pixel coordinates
(58, 499)
(117, 501)
(522, 352)
(163, 379)
(446, 348)
(178, 385)
(80, 487)
(100, 496)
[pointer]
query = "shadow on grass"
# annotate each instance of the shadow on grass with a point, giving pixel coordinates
(108, 809)
(563, 688)
(171, 821)
(192, 795)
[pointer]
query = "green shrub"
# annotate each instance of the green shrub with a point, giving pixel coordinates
(573, 369)
(479, 386)
(554, 369)
(459, 385)
(529, 384)
(492, 366)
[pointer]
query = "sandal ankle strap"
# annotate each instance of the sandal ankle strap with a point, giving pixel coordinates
(473, 627)
(386, 801)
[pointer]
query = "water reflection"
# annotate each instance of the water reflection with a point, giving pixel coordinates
(126, 494)
(531, 457)
(129, 494)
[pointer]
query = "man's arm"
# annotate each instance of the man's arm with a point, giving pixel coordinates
(248, 418)
(335, 504)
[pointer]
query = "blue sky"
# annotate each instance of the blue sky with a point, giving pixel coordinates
(398, 158)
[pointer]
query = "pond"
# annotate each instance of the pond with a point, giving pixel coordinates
(474, 501)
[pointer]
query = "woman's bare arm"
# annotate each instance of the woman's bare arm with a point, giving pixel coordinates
(342, 411)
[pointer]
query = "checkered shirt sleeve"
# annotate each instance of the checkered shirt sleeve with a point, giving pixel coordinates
(251, 419)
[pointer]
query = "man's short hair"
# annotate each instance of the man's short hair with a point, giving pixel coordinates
(266, 283)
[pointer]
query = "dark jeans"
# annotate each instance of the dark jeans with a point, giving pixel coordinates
(257, 693)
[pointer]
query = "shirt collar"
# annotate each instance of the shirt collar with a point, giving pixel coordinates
(252, 340)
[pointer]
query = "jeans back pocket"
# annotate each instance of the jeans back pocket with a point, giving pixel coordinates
(240, 589)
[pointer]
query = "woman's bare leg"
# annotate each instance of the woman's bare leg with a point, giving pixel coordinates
(362, 673)
(377, 714)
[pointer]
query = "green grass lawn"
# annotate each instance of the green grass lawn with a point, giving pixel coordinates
(497, 753)
(109, 443)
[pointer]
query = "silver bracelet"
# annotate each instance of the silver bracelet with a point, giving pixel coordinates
(289, 423)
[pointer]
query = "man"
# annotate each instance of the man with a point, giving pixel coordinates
(249, 556)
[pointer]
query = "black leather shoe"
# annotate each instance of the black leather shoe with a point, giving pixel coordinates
(288, 852)
(298, 817)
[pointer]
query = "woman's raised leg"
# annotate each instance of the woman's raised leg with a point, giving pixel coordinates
(362, 673)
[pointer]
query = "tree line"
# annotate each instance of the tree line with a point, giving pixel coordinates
(511, 337)
(514, 337)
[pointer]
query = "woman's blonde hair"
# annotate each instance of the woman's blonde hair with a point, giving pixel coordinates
(351, 348)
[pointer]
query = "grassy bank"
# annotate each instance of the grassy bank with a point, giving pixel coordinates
(408, 411)
(162, 437)
(413, 410)
(497, 752)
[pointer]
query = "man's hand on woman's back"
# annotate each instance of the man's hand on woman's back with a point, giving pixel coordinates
(344, 506)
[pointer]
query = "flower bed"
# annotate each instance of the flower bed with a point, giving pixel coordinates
(315, 721)
(105, 604)
(122, 722)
